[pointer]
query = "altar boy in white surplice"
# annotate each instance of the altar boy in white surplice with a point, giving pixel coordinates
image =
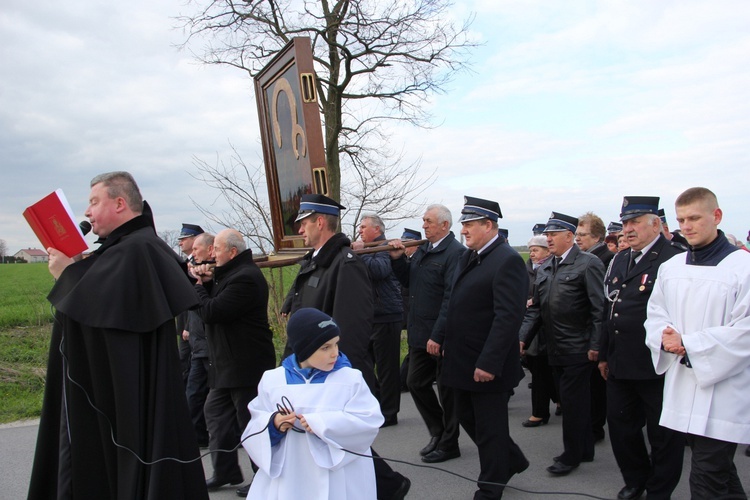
(314, 405)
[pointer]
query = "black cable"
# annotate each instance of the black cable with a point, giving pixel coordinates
(395, 460)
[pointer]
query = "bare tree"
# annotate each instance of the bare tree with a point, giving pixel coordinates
(376, 60)
(243, 193)
(3, 250)
(170, 238)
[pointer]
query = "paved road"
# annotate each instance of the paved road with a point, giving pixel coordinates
(600, 478)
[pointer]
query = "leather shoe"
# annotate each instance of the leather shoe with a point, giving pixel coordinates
(242, 492)
(217, 482)
(535, 423)
(630, 493)
(390, 421)
(560, 469)
(431, 446)
(402, 490)
(440, 456)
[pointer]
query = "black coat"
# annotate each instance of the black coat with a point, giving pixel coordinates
(485, 311)
(429, 278)
(567, 306)
(336, 282)
(115, 326)
(603, 252)
(234, 310)
(389, 306)
(623, 344)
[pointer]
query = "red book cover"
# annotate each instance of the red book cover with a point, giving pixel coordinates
(52, 220)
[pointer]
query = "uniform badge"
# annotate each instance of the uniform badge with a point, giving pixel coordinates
(644, 278)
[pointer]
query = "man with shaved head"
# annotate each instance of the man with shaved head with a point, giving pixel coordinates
(234, 308)
(698, 331)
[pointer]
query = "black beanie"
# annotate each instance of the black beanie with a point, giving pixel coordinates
(308, 329)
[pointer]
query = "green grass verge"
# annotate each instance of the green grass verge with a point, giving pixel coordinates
(23, 295)
(23, 363)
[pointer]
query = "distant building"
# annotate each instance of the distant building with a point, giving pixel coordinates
(32, 255)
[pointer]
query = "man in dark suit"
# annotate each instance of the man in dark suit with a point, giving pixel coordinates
(567, 306)
(481, 362)
(234, 309)
(634, 390)
(428, 275)
(333, 279)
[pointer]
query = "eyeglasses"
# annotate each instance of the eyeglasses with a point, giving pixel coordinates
(582, 235)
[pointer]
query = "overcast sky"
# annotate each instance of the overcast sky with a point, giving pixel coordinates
(571, 106)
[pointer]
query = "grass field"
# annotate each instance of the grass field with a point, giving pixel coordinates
(23, 292)
(25, 325)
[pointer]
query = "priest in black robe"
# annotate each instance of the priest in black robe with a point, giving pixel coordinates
(115, 422)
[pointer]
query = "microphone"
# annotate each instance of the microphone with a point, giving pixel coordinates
(85, 227)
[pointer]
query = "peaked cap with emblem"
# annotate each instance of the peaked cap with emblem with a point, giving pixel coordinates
(635, 206)
(538, 228)
(477, 208)
(614, 227)
(561, 222)
(411, 234)
(318, 204)
(190, 230)
(663, 216)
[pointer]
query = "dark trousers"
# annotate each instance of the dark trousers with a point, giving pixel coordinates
(484, 417)
(575, 398)
(543, 386)
(631, 404)
(441, 421)
(385, 350)
(227, 416)
(185, 352)
(196, 393)
(712, 470)
(598, 402)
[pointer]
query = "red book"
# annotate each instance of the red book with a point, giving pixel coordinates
(52, 220)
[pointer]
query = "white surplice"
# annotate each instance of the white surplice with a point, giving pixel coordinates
(343, 414)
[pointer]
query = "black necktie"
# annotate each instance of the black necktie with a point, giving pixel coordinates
(633, 256)
(555, 264)
(473, 257)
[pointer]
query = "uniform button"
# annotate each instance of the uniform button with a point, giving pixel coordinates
(624, 285)
(619, 300)
(617, 315)
(617, 332)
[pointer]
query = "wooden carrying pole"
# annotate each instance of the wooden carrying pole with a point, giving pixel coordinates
(382, 247)
(265, 262)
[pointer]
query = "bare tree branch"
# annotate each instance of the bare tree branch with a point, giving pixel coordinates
(391, 55)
